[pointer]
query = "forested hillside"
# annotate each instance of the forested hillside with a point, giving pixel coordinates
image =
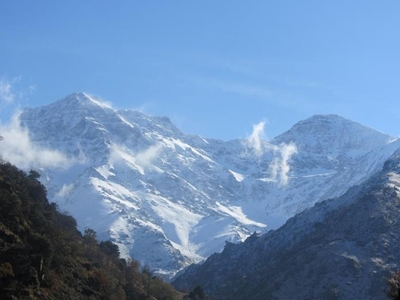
(44, 256)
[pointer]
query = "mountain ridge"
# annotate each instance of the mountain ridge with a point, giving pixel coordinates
(139, 180)
(339, 249)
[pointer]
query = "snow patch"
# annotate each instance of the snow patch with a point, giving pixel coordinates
(238, 177)
(237, 213)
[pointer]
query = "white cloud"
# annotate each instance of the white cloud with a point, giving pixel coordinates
(142, 160)
(7, 96)
(257, 146)
(12, 92)
(116, 155)
(254, 141)
(100, 102)
(18, 149)
(280, 166)
(146, 157)
(65, 190)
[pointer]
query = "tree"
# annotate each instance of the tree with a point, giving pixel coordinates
(89, 232)
(34, 174)
(90, 238)
(197, 293)
(394, 286)
(1, 158)
(109, 248)
(43, 253)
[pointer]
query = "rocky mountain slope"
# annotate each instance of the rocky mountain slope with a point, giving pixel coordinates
(170, 199)
(341, 248)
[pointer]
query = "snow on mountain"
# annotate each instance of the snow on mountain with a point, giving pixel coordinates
(333, 154)
(342, 248)
(170, 199)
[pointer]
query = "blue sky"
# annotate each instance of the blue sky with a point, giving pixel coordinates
(215, 68)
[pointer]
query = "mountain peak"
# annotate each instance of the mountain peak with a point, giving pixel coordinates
(83, 99)
(78, 115)
(327, 121)
(331, 122)
(325, 134)
(72, 107)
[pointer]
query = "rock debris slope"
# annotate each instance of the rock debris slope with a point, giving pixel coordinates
(170, 199)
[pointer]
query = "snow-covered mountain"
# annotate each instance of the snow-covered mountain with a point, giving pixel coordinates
(342, 248)
(170, 199)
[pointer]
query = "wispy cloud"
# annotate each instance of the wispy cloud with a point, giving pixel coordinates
(146, 157)
(12, 94)
(230, 86)
(143, 160)
(65, 190)
(245, 89)
(146, 107)
(257, 146)
(18, 149)
(270, 92)
(280, 166)
(254, 142)
(7, 94)
(100, 101)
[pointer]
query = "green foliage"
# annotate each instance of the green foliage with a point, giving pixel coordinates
(44, 256)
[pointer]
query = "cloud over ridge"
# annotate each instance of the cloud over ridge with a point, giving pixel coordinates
(17, 148)
(256, 145)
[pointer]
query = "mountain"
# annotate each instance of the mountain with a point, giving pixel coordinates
(342, 248)
(169, 199)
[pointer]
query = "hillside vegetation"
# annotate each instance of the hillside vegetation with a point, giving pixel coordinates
(44, 256)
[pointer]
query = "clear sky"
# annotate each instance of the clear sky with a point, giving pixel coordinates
(215, 68)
